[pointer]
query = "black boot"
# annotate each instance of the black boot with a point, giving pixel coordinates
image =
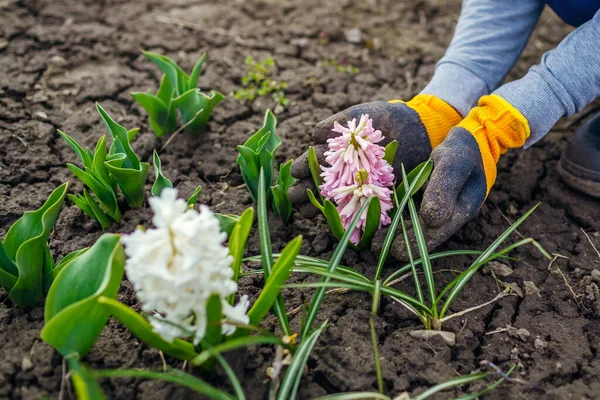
(579, 165)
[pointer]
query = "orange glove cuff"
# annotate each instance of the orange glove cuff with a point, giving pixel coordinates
(496, 126)
(437, 116)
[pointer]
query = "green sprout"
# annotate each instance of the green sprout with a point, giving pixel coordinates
(257, 82)
(258, 152)
(329, 210)
(343, 67)
(177, 90)
(26, 265)
(162, 182)
(103, 173)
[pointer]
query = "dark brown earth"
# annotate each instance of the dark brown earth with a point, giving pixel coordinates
(58, 57)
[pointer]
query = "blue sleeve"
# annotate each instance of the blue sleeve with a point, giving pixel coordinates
(565, 81)
(489, 38)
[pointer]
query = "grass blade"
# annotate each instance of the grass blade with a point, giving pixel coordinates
(331, 267)
(292, 377)
(355, 396)
(237, 343)
(461, 380)
(374, 342)
(389, 237)
(422, 245)
(266, 251)
(476, 395)
(235, 383)
(173, 376)
(237, 243)
(466, 276)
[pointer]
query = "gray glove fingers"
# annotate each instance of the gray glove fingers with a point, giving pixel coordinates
(297, 192)
(300, 167)
(448, 179)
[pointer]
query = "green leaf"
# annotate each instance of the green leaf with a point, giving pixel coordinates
(333, 219)
(237, 243)
(463, 278)
(132, 134)
(314, 201)
(371, 224)
(173, 376)
(193, 83)
(131, 181)
(25, 245)
(98, 169)
(419, 171)
(191, 202)
(177, 78)
(143, 330)
(355, 396)
(85, 155)
(422, 246)
(461, 380)
(293, 375)
(237, 343)
(99, 215)
(163, 119)
(258, 151)
(282, 205)
(315, 169)
(73, 318)
(214, 315)
(227, 221)
(422, 172)
(196, 108)
(84, 381)
(120, 136)
(104, 193)
(53, 273)
(390, 152)
(161, 182)
(336, 257)
(266, 252)
(279, 275)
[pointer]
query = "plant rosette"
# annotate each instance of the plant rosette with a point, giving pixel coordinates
(359, 171)
(258, 152)
(26, 265)
(177, 90)
(104, 173)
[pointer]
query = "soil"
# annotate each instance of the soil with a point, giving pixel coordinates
(58, 57)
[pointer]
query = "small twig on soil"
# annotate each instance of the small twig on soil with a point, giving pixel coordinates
(164, 362)
(499, 371)
(468, 310)
(499, 330)
(230, 63)
(169, 140)
(590, 240)
(20, 139)
(556, 256)
(295, 311)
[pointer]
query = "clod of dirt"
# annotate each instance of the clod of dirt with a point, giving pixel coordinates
(498, 269)
(448, 337)
(531, 289)
(540, 344)
(26, 364)
(596, 275)
(520, 333)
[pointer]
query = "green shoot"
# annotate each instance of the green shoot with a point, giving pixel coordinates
(257, 82)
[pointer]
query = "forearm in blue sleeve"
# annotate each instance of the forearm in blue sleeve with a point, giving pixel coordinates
(489, 38)
(566, 80)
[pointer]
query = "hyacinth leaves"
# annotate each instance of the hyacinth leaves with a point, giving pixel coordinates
(105, 172)
(259, 152)
(73, 318)
(25, 260)
(177, 90)
(161, 182)
(329, 210)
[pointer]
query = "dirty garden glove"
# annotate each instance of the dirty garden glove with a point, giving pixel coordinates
(418, 125)
(464, 169)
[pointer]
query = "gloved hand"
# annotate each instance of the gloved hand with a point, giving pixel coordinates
(464, 169)
(418, 125)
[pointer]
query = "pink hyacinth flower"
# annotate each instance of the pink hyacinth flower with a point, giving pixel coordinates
(357, 171)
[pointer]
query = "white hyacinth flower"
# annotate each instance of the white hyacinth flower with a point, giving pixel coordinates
(178, 265)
